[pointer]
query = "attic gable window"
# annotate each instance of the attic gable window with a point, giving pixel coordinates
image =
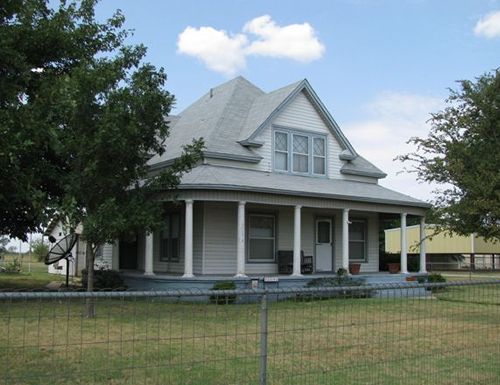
(299, 152)
(281, 151)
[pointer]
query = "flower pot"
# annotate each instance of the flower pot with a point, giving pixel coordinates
(354, 268)
(393, 268)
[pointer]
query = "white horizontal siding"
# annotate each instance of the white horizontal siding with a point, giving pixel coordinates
(371, 265)
(220, 238)
(300, 114)
(106, 259)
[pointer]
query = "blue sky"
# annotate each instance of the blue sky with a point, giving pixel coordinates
(379, 66)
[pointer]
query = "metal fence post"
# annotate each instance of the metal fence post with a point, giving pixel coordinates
(263, 340)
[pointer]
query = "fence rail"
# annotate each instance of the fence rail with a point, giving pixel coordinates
(408, 333)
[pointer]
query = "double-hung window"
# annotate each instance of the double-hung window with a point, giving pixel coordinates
(261, 237)
(300, 153)
(357, 240)
(281, 151)
(170, 238)
(319, 156)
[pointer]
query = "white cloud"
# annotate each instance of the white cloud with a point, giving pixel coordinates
(294, 41)
(392, 118)
(488, 26)
(226, 53)
(216, 48)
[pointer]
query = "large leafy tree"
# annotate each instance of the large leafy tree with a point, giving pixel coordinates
(462, 153)
(80, 116)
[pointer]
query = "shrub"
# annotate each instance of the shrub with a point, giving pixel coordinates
(104, 279)
(341, 280)
(435, 278)
(223, 299)
(13, 267)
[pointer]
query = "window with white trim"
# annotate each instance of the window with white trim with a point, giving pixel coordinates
(170, 238)
(319, 156)
(357, 240)
(261, 237)
(299, 153)
(281, 151)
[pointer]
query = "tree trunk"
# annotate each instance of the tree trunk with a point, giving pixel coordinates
(89, 302)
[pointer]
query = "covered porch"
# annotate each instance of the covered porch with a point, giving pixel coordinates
(243, 236)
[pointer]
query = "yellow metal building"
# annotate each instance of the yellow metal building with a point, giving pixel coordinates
(445, 250)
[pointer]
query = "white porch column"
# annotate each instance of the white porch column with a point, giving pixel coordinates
(240, 246)
(188, 240)
(296, 242)
(148, 255)
(404, 245)
(423, 262)
(345, 239)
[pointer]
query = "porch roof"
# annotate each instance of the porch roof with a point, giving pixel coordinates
(229, 178)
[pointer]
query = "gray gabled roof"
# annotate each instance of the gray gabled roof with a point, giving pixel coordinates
(230, 117)
(216, 117)
(229, 178)
(263, 107)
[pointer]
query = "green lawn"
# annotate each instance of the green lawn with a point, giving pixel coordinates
(33, 275)
(450, 338)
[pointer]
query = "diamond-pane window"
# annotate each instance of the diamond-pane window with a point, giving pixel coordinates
(300, 144)
(319, 146)
(281, 141)
(300, 153)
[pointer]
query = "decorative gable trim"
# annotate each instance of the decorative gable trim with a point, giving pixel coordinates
(320, 108)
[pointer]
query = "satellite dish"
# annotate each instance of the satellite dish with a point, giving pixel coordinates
(61, 249)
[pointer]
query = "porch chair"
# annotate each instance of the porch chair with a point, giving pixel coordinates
(285, 262)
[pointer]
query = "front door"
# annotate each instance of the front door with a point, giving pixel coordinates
(324, 245)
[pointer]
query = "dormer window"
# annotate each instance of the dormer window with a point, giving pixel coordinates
(281, 151)
(299, 152)
(319, 156)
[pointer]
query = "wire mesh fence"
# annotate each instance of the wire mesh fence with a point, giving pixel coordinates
(409, 333)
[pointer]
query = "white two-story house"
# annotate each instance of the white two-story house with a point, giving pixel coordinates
(280, 191)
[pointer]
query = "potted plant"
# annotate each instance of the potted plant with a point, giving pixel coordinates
(393, 268)
(354, 268)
